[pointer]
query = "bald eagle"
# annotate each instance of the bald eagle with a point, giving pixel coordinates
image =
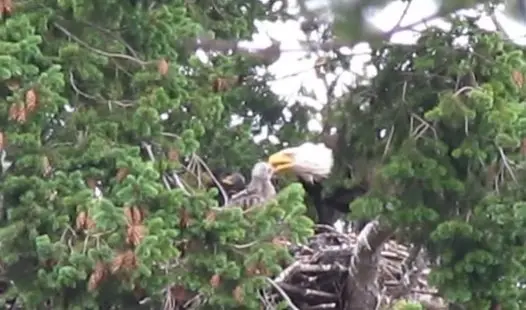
(259, 190)
(312, 163)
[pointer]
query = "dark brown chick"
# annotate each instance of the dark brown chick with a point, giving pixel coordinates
(231, 182)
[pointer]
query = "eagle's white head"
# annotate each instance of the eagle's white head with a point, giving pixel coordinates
(309, 161)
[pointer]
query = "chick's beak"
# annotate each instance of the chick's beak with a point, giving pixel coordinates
(281, 161)
(228, 180)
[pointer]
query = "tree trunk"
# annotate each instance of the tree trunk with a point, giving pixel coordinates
(362, 286)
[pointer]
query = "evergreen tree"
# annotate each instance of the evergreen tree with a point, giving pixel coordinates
(447, 174)
(109, 122)
(105, 112)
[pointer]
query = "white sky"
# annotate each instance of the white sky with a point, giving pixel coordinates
(295, 69)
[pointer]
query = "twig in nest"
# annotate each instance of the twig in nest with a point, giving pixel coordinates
(283, 294)
(331, 253)
(413, 254)
(307, 268)
(306, 292)
(326, 227)
(331, 305)
(169, 301)
(288, 272)
(264, 298)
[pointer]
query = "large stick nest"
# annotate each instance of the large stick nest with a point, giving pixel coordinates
(322, 269)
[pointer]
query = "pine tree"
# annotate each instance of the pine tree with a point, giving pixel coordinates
(447, 174)
(104, 105)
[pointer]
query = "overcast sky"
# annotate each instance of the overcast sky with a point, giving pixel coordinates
(294, 69)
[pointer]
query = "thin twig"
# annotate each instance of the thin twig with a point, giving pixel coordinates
(462, 90)
(221, 189)
(112, 35)
(77, 90)
(389, 140)
(427, 126)
(244, 246)
(94, 98)
(149, 150)
(402, 16)
(95, 50)
(506, 164)
(179, 183)
(283, 294)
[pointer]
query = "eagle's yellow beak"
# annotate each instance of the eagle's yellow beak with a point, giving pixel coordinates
(281, 161)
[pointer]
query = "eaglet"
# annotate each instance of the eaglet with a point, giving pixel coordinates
(259, 190)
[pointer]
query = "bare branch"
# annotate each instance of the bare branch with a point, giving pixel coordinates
(97, 51)
(283, 294)
(94, 98)
(506, 164)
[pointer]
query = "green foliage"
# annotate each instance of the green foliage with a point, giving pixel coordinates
(448, 172)
(117, 89)
(406, 305)
(240, 245)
